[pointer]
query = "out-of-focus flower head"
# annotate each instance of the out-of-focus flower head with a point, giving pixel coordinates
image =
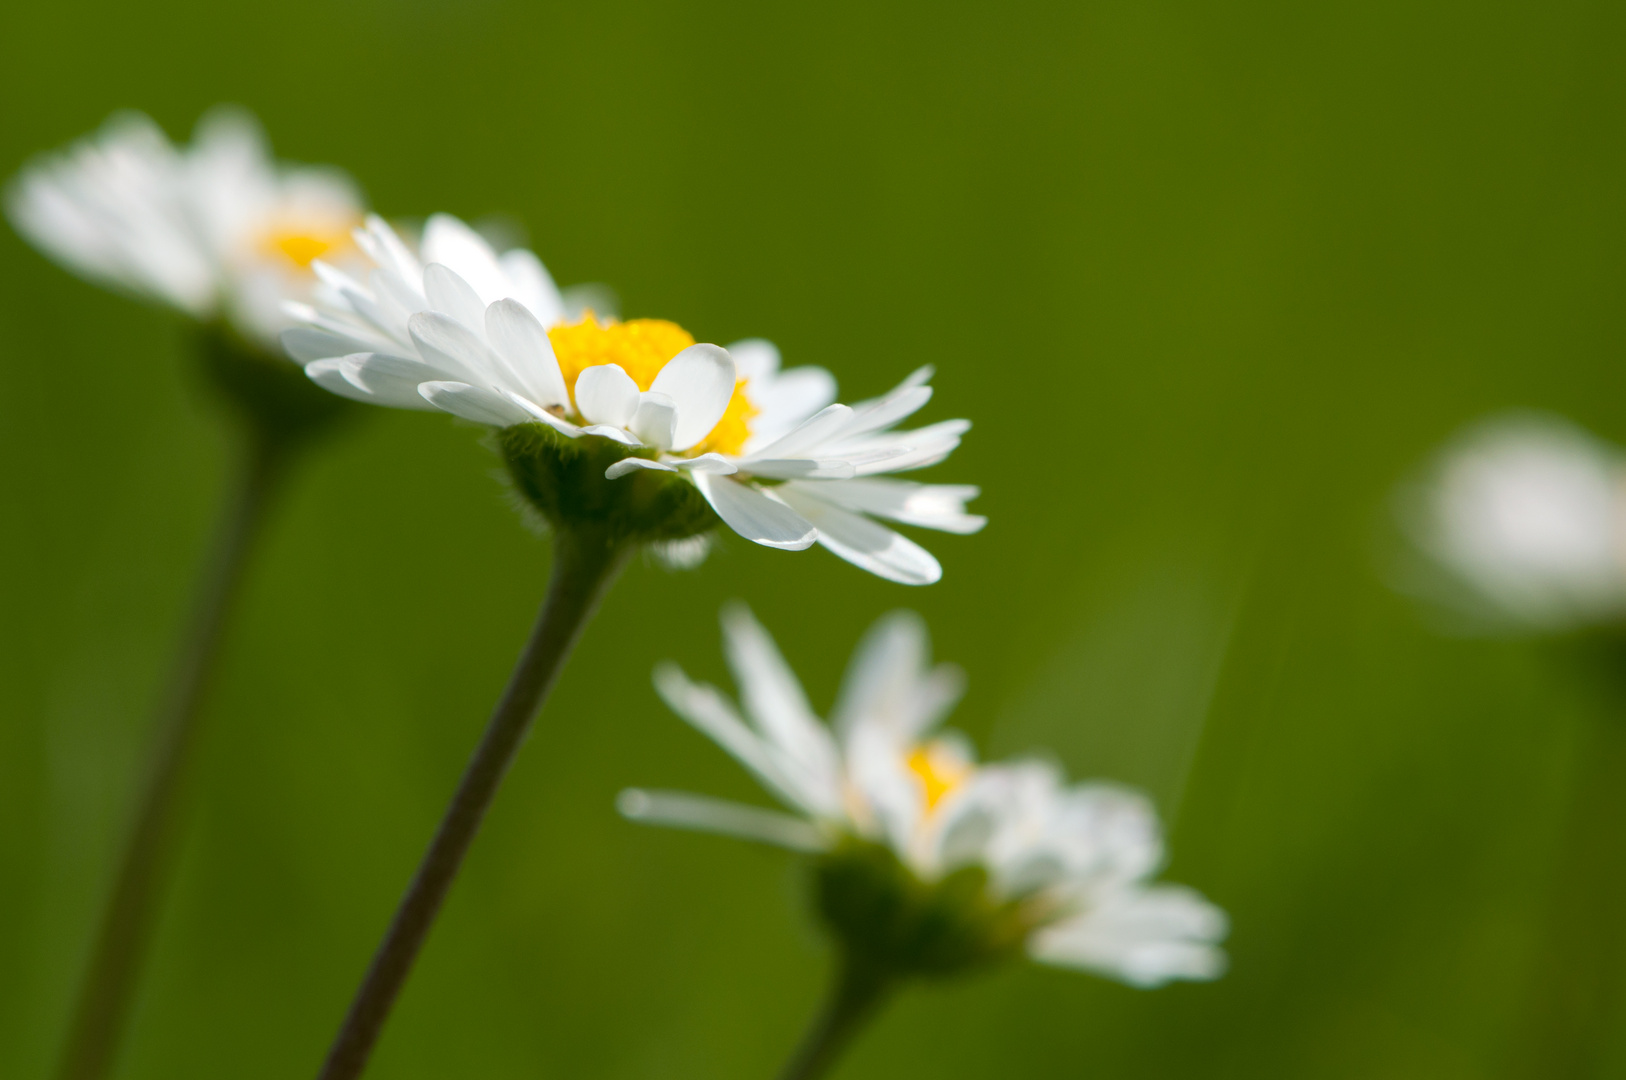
(1526, 516)
(927, 862)
(631, 422)
(217, 229)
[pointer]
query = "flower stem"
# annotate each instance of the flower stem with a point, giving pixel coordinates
(105, 995)
(857, 993)
(584, 565)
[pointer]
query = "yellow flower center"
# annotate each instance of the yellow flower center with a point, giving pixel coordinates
(940, 770)
(304, 243)
(641, 347)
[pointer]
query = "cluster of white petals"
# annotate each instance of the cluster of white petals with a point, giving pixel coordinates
(215, 229)
(1529, 513)
(1085, 851)
(458, 327)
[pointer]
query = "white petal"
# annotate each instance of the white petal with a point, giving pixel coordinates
(633, 464)
(390, 380)
(519, 338)
(711, 463)
(328, 375)
(917, 377)
(700, 381)
(889, 791)
(754, 515)
(962, 827)
(537, 412)
(711, 713)
(453, 348)
(473, 403)
(865, 543)
(448, 293)
(883, 674)
(655, 419)
(819, 428)
(385, 248)
(616, 434)
(922, 447)
(685, 554)
(346, 325)
(931, 506)
(383, 316)
(883, 412)
(773, 698)
(787, 400)
(532, 285)
(1146, 937)
(407, 295)
(305, 344)
(755, 359)
(336, 279)
(681, 810)
(113, 207)
(605, 394)
(800, 469)
(447, 240)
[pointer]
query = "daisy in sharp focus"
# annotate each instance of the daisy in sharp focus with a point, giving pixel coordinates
(216, 229)
(963, 862)
(457, 327)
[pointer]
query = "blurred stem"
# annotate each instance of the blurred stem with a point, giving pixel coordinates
(584, 566)
(1575, 995)
(105, 996)
(856, 994)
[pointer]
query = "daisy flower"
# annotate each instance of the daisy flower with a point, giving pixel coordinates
(222, 233)
(217, 229)
(594, 411)
(1526, 514)
(927, 860)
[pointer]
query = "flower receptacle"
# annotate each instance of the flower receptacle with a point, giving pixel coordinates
(888, 918)
(563, 479)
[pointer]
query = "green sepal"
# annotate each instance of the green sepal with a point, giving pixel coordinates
(563, 479)
(888, 918)
(266, 389)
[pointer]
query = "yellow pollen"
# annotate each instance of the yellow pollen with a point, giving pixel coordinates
(940, 770)
(641, 347)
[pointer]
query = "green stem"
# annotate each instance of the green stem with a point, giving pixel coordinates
(105, 995)
(856, 994)
(584, 565)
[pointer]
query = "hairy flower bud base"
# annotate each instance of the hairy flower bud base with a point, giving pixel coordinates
(889, 919)
(563, 479)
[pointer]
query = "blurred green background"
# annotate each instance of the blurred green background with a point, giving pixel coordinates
(1208, 279)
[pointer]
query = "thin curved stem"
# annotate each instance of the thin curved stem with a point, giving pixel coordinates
(856, 994)
(110, 981)
(583, 568)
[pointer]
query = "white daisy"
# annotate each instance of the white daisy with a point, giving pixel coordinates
(1528, 513)
(483, 336)
(1067, 867)
(215, 229)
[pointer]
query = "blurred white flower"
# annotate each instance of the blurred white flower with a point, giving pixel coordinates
(487, 337)
(1528, 512)
(216, 229)
(1068, 866)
